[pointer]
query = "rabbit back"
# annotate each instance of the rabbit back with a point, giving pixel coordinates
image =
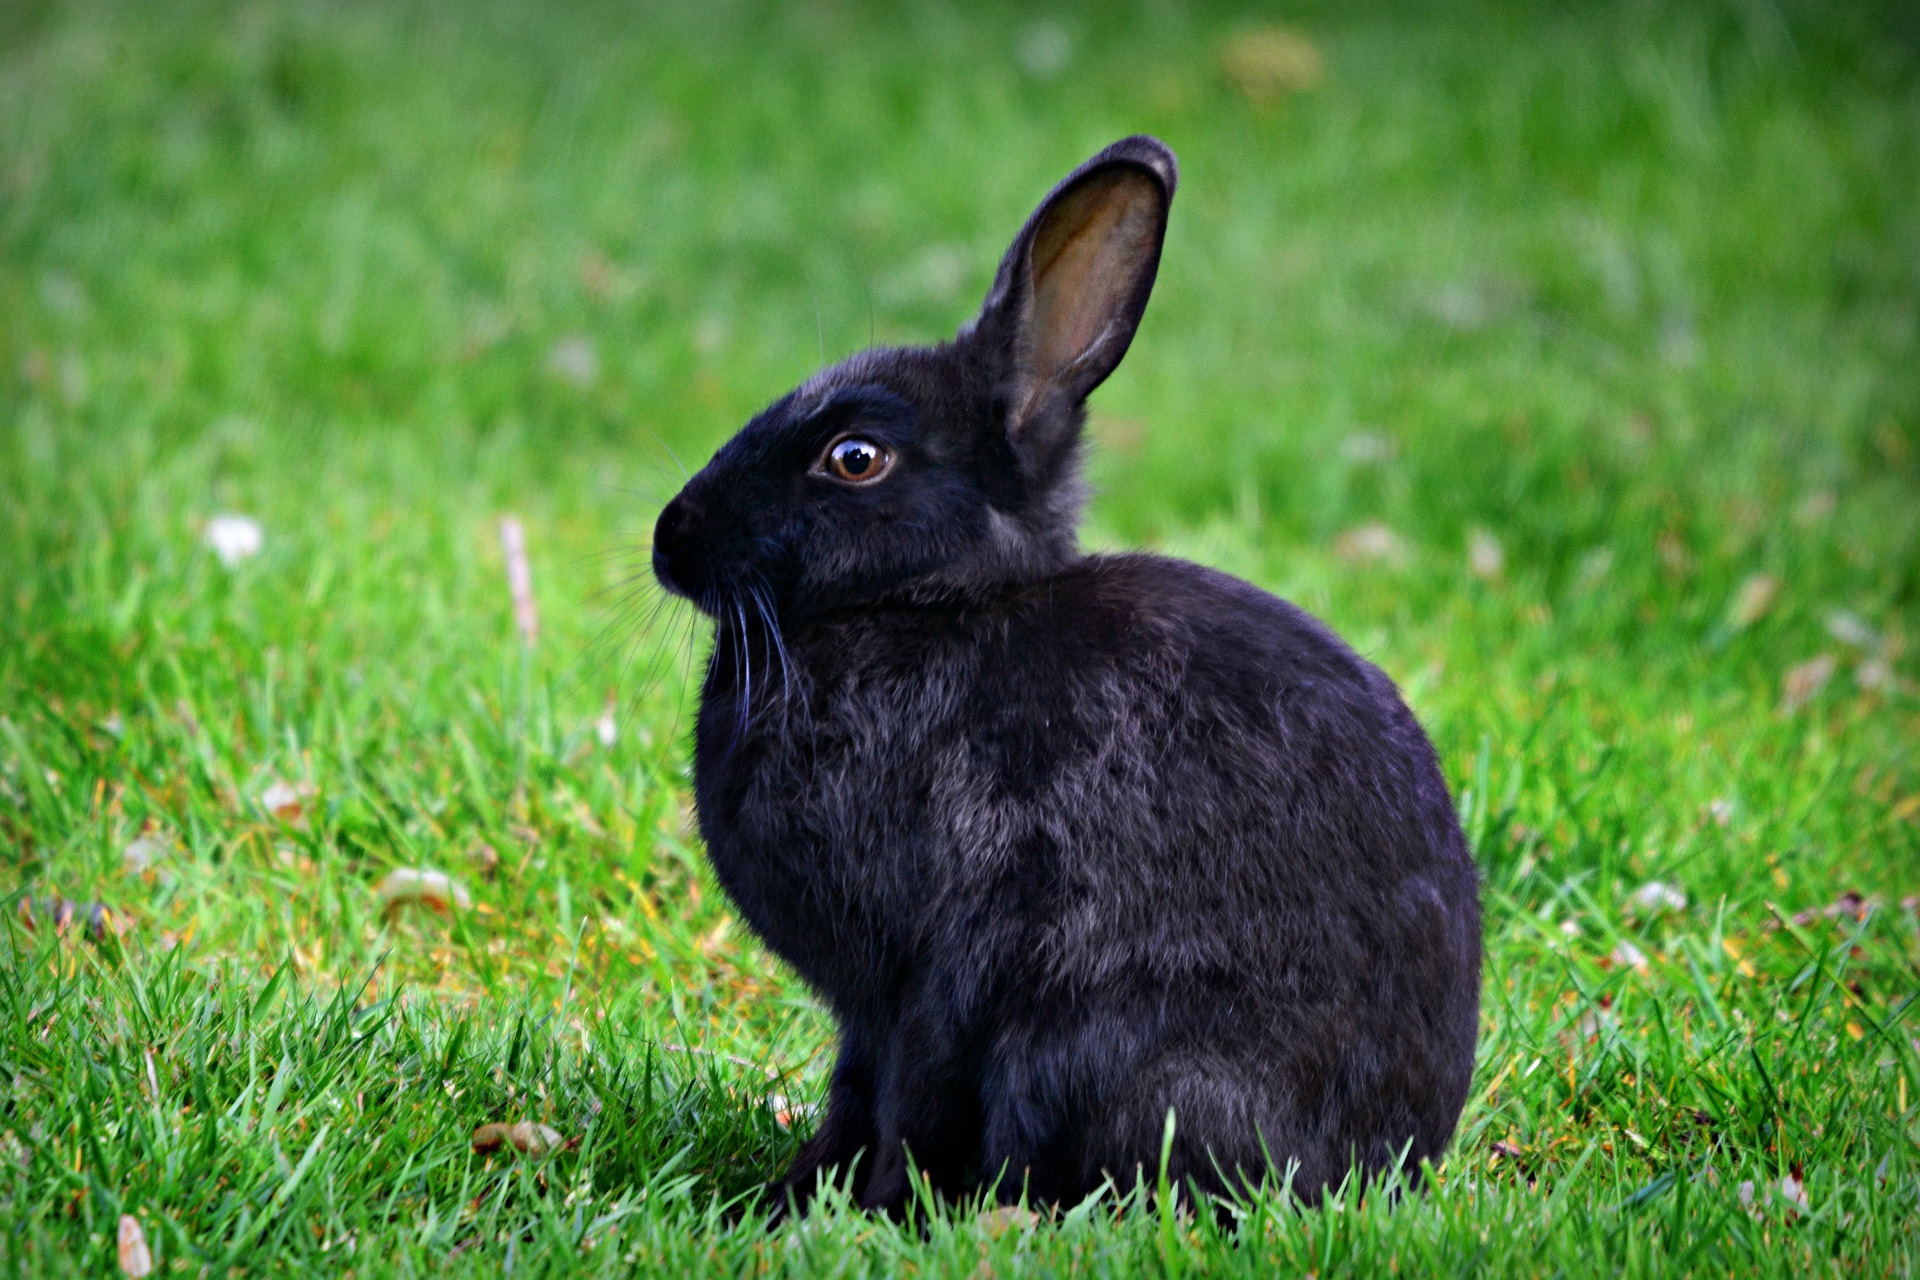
(1133, 838)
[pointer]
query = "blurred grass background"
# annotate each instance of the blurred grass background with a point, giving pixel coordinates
(1564, 359)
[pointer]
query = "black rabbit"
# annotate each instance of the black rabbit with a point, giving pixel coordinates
(1068, 842)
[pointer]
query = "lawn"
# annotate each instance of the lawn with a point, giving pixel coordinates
(1566, 362)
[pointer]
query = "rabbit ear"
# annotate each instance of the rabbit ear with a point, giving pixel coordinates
(1070, 292)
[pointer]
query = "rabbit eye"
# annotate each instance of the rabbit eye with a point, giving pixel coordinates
(858, 461)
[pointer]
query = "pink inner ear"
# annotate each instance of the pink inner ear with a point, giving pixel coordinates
(1087, 259)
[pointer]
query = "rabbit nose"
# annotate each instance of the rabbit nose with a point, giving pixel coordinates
(676, 546)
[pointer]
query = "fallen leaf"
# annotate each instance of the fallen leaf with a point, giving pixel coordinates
(1631, 956)
(423, 885)
(1804, 680)
(285, 800)
(234, 538)
(1008, 1217)
(97, 917)
(786, 1112)
(1267, 63)
(1674, 554)
(1752, 601)
(135, 1260)
(1485, 556)
(525, 1136)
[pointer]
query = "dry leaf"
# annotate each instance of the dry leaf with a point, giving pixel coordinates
(526, 1137)
(1485, 556)
(423, 885)
(1752, 601)
(97, 917)
(234, 538)
(1630, 956)
(135, 1260)
(285, 800)
(1008, 1217)
(1805, 680)
(1674, 554)
(1266, 63)
(1372, 542)
(786, 1112)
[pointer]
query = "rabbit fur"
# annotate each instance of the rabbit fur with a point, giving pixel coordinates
(1075, 847)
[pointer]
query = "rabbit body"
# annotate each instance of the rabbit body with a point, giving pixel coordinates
(1133, 838)
(1070, 844)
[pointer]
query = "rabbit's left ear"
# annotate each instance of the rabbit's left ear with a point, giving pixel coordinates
(1071, 290)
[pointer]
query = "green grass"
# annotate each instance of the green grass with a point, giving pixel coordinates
(1631, 291)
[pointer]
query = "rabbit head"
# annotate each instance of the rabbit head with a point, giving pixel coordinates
(942, 471)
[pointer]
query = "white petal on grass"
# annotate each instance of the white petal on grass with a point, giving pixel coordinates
(142, 852)
(423, 885)
(574, 361)
(1852, 630)
(1367, 446)
(1370, 543)
(1657, 895)
(1795, 1193)
(1805, 680)
(607, 727)
(1753, 601)
(135, 1259)
(1630, 957)
(285, 800)
(513, 546)
(1595, 565)
(234, 538)
(1485, 556)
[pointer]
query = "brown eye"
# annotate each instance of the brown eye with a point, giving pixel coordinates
(858, 461)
